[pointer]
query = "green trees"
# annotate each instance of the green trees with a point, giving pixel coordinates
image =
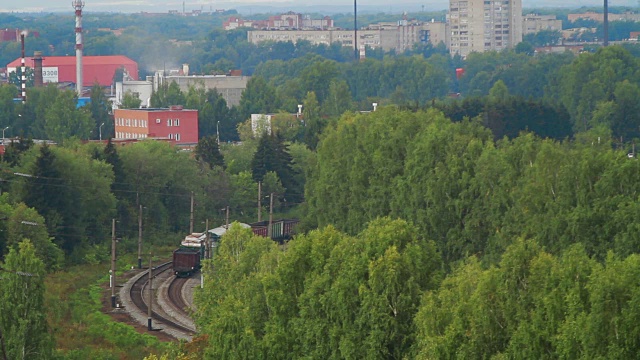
(26, 223)
(100, 108)
(23, 324)
(167, 94)
(258, 98)
(581, 93)
(329, 295)
(532, 305)
(64, 120)
(57, 206)
(72, 192)
(208, 151)
(509, 115)
(469, 194)
(130, 101)
(272, 155)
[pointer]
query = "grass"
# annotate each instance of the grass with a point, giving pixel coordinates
(81, 330)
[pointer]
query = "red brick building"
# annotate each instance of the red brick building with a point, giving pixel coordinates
(174, 123)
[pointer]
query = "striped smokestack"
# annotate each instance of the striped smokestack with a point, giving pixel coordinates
(78, 5)
(23, 70)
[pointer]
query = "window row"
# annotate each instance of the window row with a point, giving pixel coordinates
(143, 123)
(126, 135)
(131, 122)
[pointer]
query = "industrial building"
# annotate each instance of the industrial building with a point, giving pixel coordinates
(175, 123)
(483, 25)
(229, 86)
(100, 69)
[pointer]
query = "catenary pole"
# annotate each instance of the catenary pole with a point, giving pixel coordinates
(191, 216)
(149, 311)
(259, 201)
(269, 231)
(113, 262)
(140, 237)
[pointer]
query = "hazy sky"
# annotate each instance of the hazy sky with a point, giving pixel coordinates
(244, 6)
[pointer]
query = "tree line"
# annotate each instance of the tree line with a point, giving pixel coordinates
(516, 247)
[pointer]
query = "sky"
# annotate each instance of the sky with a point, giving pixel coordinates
(254, 6)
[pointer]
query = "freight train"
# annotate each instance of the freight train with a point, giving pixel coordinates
(187, 258)
(281, 230)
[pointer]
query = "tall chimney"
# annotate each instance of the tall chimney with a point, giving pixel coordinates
(37, 68)
(78, 5)
(23, 70)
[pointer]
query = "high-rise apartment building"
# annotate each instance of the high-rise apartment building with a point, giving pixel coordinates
(483, 25)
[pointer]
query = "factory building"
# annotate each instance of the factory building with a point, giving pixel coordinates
(100, 69)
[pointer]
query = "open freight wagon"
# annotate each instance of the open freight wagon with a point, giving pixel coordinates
(282, 229)
(186, 262)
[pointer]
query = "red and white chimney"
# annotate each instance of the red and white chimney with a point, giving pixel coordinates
(78, 5)
(23, 69)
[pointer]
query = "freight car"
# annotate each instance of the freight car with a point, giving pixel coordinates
(195, 242)
(281, 230)
(186, 262)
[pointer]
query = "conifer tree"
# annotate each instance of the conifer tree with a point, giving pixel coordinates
(208, 151)
(48, 193)
(273, 155)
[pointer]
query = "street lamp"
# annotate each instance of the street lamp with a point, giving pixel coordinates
(100, 130)
(218, 132)
(3, 134)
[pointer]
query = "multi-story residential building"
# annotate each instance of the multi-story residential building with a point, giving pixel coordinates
(286, 21)
(175, 123)
(435, 32)
(533, 23)
(397, 36)
(483, 25)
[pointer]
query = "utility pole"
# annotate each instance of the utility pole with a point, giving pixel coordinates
(259, 201)
(269, 231)
(149, 311)
(605, 41)
(191, 217)
(207, 241)
(227, 219)
(113, 263)
(140, 238)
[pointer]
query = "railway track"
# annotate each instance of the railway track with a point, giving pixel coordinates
(137, 296)
(175, 294)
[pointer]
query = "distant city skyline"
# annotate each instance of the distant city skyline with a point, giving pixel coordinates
(257, 6)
